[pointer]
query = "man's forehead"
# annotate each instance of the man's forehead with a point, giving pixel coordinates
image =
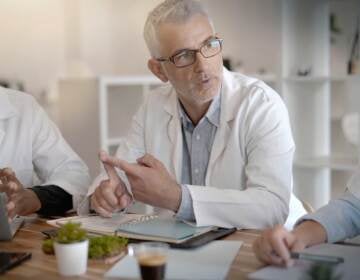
(185, 35)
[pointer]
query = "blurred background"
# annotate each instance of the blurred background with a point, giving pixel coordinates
(85, 62)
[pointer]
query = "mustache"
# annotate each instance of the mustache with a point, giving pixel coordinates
(203, 77)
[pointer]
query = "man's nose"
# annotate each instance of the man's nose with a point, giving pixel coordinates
(200, 62)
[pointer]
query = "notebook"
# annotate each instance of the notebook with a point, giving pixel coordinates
(168, 230)
(137, 226)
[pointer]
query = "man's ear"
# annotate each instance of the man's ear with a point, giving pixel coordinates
(156, 69)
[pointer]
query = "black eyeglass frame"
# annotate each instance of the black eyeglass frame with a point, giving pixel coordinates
(193, 51)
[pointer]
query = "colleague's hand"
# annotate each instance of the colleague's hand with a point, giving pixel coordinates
(150, 182)
(274, 245)
(21, 201)
(111, 195)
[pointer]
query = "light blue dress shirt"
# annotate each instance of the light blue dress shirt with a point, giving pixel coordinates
(340, 218)
(197, 144)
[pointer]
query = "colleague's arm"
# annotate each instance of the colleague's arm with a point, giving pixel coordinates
(336, 221)
(340, 218)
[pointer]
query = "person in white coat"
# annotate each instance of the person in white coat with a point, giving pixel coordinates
(212, 146)
(31, 144)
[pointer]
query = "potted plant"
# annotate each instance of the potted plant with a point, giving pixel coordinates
(71, 249)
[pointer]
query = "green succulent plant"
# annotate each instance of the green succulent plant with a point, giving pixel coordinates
(99, 246)
(106, 246)
(71, 233)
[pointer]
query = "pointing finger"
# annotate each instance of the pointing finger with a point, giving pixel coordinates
(110, 170)
(128, 168)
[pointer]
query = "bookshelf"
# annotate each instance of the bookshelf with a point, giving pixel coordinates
(317, 102)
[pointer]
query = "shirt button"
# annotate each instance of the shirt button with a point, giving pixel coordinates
(198, 137)
(196, 171)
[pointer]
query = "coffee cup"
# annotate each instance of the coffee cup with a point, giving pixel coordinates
(151, 258)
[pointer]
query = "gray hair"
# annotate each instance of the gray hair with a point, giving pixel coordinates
(170, 11)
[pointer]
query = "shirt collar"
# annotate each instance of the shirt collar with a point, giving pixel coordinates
(212, 114)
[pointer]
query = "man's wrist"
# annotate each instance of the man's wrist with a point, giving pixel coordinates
(310, 233)
(175, 200)
(31, 202)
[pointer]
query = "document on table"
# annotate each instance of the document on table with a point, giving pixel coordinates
(349, 270)
(209, 262)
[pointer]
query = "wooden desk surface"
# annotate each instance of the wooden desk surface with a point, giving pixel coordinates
(29, 239)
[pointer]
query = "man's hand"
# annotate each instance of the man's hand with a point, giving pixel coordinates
(21, 201)
(274, 245)
(150, 182)
(111, 195)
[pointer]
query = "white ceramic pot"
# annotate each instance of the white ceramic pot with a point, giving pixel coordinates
(72, 258)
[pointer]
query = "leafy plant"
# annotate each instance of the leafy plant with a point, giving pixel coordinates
(71, 233)
(48, 246)
(99, 246)
(106, 246)
(322, 271)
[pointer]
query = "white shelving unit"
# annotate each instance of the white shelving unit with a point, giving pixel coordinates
(316, 102)
(119, 98)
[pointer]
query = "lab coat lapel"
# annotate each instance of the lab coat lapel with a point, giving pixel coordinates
(227, 114)
(174, 134)
(7, 110)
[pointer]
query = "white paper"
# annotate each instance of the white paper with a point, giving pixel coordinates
(350, 269)
(211, 261)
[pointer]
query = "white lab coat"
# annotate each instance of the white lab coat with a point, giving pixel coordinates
(32, 144)
(249, 176)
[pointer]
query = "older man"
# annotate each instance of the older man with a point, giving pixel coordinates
(31, 144)
(216, 147)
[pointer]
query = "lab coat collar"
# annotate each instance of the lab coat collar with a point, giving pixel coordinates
(7, 110)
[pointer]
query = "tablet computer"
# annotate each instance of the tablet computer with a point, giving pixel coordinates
(9, 260)
(8, 230)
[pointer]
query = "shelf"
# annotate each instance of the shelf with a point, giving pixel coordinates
(306, 79)
(129, 80)
(267, 78)
(334, 162)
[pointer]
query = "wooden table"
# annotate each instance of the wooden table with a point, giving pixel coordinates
(41, 266)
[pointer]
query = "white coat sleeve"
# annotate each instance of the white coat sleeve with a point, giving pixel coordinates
(54, 161)
(269, 149)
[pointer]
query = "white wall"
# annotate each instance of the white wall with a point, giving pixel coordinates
(31, 41)
(44, 39)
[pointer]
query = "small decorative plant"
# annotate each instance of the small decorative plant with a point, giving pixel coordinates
(71, 247)
(71, 233)
(322, 271)
(100, 247)
(106, 246)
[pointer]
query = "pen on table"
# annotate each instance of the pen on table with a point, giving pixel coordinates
(317, 258)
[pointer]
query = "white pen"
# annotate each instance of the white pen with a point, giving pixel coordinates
(317, 258)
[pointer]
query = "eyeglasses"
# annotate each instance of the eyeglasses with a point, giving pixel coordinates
(187, 57)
